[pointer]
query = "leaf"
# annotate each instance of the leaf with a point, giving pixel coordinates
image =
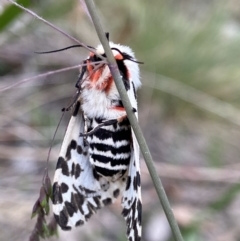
(47, 185)
(36, 208)
(43, 199)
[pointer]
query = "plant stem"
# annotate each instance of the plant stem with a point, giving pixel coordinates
(134, 122)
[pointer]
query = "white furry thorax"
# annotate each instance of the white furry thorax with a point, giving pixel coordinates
(96, 102)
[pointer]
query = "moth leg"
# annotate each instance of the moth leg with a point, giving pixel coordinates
(104, 123)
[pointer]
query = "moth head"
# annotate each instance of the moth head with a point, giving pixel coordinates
(126, 61)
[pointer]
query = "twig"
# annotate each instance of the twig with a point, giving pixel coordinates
(134, 123)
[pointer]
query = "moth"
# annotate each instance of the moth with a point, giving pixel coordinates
(99, 157)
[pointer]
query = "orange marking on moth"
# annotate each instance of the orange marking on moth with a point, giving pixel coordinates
(103, 85)
(120, 119)
(96, 75)
(109, 83)
(118, 57)
(119, 108)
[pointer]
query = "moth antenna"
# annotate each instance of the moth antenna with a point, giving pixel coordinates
(69, 47)
(51, 144)
(136, 61)
(128, 57)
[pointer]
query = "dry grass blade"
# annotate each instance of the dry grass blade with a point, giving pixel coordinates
(50, 24)
(45, 75)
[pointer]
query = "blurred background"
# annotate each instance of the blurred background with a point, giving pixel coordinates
(189, 110)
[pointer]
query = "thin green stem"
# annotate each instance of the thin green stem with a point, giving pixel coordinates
(134, 123)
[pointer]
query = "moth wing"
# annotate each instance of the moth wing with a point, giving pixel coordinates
(131, 200)
(77, 191)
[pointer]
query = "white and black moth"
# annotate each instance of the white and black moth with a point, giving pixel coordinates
(99, 157)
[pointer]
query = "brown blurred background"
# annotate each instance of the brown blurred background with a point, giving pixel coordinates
(189, 110)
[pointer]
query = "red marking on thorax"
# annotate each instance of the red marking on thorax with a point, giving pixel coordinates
(109, 84)
(94, 72)
(95, 76)
(119, 108)
(96, 79)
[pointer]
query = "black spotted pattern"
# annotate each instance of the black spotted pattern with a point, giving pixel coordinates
(74, 202)
(78, 171)
(139, 209)
(71, 146)
(59, 162)
(64, 187)
(73, 169)
(128, 182)
(63, 219)
(77, 106)
(79, 150)
(107, 201)
(116, 193)
(79, 223)
(97, 201)
(132, 219)
(138, 179)
(71, 208)
(79, 199)
(65, 170)
(57, 194)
